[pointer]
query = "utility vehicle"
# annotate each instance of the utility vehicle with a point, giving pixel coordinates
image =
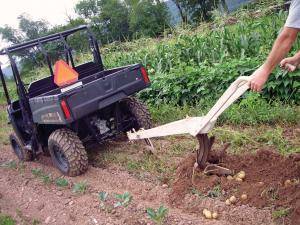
(74, 106)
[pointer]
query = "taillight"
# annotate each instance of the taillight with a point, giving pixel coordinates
(145, 75)
(65, 109)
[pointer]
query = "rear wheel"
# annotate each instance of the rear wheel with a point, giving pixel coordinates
(140, 112)
(67, 152)
(19, 148)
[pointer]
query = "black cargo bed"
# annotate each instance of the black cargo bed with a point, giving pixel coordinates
(90, 94)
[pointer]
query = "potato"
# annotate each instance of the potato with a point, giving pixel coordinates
(287, 183)
(215, 215)
(207, 214)
(232, 199)
(241, 175)
(244, 196)
(227, 202)
(229, 177)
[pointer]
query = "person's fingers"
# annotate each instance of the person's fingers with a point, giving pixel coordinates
(290, 67)
(283, 62)
(259, 88)
(251, 85)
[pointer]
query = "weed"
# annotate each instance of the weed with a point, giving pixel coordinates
(6, 220)
(5, 128)
(196, 192)
(271, 193)
(61, 182)
(11, 165)
(275, 138)
(102, 196)
(158, 216)
(280, 213)
(35, 222)
(46, 178)
(26, 220)
(215, 192)
(124, 199)
(80, 187)
(39, 173)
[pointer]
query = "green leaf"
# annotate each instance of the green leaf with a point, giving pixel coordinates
(151, 213)
(103, 196)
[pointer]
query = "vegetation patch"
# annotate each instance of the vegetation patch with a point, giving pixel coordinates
(6, 220)
(80, 187)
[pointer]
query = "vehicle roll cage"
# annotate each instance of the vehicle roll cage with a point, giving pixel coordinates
(39, 43)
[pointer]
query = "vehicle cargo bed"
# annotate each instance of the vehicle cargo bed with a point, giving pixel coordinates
(88, 94)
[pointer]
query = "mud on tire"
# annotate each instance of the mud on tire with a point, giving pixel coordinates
(140, 111)
(19, 148)
(67, 152)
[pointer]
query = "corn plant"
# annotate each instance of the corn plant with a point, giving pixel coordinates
(158, 216)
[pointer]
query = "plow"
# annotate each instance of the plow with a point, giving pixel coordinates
(199, 127)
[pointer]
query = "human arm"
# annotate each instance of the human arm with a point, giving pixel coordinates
(280, 49)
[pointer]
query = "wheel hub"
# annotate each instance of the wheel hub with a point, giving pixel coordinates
(61, 158)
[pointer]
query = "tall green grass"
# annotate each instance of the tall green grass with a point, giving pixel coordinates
(252, 110)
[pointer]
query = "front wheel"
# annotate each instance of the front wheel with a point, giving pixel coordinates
(67, 152)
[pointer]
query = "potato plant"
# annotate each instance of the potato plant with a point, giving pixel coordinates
(158, 216)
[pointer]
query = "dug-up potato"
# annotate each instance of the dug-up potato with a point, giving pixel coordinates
(207, 214)
(215, 215)
(241, 175)
(232, 199)
(227, 202)
(239, 179)
(244, 196)
(229, 177)
(287, 183)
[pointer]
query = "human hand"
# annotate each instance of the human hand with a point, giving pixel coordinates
(258, 79)
(290, 64)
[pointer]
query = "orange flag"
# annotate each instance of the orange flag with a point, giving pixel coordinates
(64, 74)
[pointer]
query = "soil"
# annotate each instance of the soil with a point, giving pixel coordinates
(26, 198)
(265, 184)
